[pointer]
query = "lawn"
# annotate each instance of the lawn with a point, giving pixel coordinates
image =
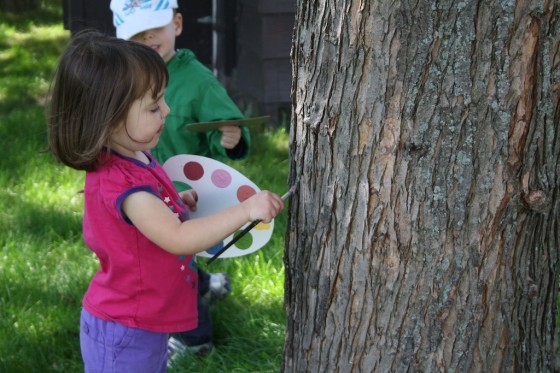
(44, 265)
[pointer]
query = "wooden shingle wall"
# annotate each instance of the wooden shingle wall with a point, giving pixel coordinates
(263, 69)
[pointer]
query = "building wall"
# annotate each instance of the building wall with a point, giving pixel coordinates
(263, 70)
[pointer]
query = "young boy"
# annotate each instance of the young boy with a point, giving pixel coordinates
(193, 95)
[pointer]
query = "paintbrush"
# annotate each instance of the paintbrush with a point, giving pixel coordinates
(253, 224)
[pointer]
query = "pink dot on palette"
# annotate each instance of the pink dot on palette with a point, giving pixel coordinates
(221, 178)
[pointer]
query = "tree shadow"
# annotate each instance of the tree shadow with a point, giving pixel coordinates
(48, 13)
(42, 287)
(26, 72)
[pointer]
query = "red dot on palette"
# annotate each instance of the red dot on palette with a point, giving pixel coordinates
(244, 192)
(193, 170)
(221, 178)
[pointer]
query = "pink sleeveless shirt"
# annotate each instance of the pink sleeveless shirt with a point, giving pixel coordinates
(139, 284)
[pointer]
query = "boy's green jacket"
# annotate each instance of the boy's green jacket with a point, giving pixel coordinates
(195, 95)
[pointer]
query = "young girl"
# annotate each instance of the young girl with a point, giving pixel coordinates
(106, 111)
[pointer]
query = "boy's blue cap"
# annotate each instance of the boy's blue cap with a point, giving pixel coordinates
(131, 17)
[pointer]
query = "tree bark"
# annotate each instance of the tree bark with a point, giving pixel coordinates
(425, 142)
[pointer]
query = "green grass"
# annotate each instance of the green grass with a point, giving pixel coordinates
(45, 267)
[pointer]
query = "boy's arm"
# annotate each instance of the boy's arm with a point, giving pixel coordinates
(216, 105)
(241, 150)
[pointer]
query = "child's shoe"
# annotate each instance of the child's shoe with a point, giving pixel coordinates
(219, 287)
(176, 349)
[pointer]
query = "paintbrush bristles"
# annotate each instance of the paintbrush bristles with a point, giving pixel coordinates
(289, 193)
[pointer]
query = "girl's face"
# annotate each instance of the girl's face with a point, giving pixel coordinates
(162, 39)
(143, 126)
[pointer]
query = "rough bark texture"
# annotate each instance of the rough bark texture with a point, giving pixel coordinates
(425, 234)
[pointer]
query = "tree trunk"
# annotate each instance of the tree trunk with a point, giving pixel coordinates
(425, 233)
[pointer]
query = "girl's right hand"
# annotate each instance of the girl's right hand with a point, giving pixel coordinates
(264, 205)
(160, 225)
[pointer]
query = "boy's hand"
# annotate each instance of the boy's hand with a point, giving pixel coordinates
(230, 136)
(190, 198)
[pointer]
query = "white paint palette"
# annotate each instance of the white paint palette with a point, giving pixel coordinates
(218, 186)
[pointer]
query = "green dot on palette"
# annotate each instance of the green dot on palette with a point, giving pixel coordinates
(244, 242)
(180, 186)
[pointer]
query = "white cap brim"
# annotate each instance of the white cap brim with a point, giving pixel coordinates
(143, 21)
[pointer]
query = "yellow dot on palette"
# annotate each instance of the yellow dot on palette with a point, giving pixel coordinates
(262, 226)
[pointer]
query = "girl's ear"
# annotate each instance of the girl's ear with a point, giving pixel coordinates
(178, 23)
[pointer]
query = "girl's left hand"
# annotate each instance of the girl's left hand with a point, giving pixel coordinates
(190, 198)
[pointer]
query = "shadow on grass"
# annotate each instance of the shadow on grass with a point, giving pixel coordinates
(23, 140)
(43, 274)
(40, 225)
(49, 13)
(26, 72)
(39, 327)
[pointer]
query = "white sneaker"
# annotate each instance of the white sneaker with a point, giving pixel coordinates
(218, 288)
(176, 349)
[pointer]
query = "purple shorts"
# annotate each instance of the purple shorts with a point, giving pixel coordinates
(110, 347)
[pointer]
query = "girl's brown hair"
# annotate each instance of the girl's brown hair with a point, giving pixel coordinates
(97, 80)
